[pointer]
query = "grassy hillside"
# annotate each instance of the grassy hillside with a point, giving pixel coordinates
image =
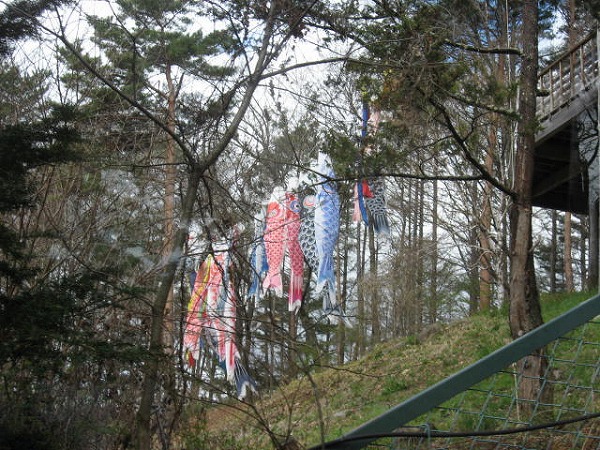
(326, 402)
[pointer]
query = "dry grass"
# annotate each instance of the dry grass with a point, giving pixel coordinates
(325, 402)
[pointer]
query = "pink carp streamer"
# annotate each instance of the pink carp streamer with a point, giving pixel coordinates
(275, 241)
(211, 319)
(282, 226)
(292, 227)
(196, 315)
(307, 234)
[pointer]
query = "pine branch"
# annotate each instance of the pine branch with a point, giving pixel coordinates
(484, 50)
(466, 151)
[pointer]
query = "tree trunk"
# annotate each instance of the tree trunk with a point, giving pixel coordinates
(473, 256)
(433, 291)
(582, 263)
(473, 273)
(568, 256)
(485, 224)
(503, 264)
(553, 250)
(143, 437)
(594, 231)
(360, 307)
(143, 428)
(270, 356)
(568, 259)
(506, 69)
(342, 279)
(374, 286)
(419, 230)
(169, 199)
(292, 370)
(524, 311)
(485, 258)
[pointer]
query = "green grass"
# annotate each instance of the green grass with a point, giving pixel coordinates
(328, 402)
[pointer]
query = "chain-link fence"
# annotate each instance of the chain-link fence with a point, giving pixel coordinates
(481, 408)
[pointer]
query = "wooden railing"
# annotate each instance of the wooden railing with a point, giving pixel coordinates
(566, 78)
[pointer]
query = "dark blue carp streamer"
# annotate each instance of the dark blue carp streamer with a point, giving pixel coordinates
(327, 228)
(376, 205)
(360, 186)
(258, 256)
(369, 192)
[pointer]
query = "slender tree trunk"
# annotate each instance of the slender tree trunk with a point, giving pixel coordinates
(169, 198)
(143, 436)
(270, 355)
(486, 272)
(171, 407)
(485, 224)
(583, 236)
(292, 350)
(341, 331)
(594, 236)
(413, 301)
(567, 250)
(568, 255)
(473, 273)
(553, 250)
(170, 172)
(433, 290)
(503, 264)
(360, 307)
(506, 69)
(374, 287)
(419, 227)
(342, 279)
(524, 311)
(400, 296)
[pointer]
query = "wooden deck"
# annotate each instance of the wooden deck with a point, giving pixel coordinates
(567, 89)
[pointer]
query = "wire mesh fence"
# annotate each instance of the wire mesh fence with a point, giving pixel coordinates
(563, 416)
(482, 407)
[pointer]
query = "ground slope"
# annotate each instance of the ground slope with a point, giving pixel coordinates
(326, 402)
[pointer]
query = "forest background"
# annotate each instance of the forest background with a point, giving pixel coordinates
(136, 133)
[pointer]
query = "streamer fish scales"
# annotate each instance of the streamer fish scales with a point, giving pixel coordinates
(306, 237)
(275, 240)
(306, 234)
(327, 226)
(294, 252)
(376, 205)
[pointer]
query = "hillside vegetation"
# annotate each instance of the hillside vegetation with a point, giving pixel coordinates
(326, 402)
